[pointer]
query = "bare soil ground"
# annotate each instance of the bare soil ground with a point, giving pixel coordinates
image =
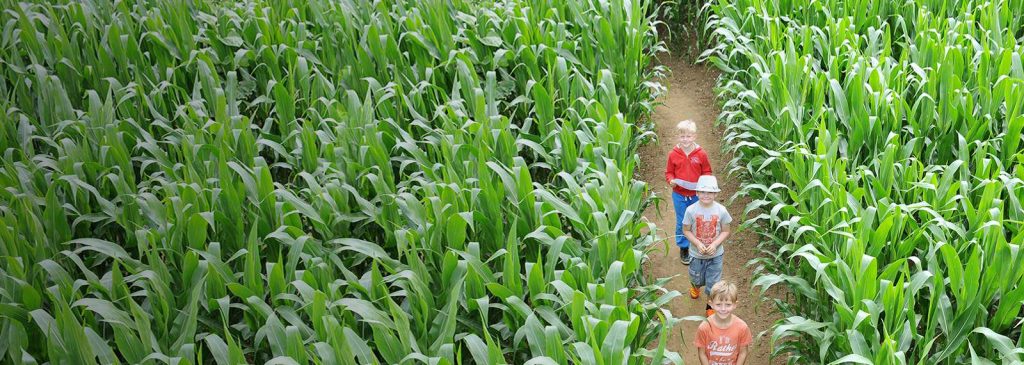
(691, 96)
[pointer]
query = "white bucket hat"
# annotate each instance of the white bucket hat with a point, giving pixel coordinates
(708, 184)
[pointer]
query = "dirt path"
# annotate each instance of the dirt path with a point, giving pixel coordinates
(690, 96)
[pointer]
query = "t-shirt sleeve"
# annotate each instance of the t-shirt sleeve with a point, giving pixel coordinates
(724, 217)
(701, 339)
(688, 216)
(745, 337)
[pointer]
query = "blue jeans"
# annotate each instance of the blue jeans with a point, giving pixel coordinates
(706, 272)
(681, 202)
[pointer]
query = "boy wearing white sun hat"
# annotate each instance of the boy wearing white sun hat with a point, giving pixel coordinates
(706, 226)
(686, 163)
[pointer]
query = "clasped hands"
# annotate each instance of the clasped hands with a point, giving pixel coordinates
(705, 249)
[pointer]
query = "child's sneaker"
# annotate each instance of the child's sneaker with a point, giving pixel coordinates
(694, 293)
(684, 256)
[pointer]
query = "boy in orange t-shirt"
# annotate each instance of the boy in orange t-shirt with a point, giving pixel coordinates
(723, 339)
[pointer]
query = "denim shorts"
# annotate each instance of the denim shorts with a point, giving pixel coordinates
(706, 272)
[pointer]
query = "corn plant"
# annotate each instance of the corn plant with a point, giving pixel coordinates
(337, 182)
(881, 144)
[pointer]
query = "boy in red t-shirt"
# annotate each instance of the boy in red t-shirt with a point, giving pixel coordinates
(686, 163)
(724, 338)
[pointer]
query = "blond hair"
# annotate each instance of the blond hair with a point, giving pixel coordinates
(687, 126)
(724, 289)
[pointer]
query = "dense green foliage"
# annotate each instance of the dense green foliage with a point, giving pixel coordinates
(882, 141)
(326, 182)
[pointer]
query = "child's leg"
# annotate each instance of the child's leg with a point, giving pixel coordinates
(680, 203)
(698, 276)
(712, 273)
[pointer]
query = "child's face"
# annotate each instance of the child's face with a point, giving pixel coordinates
(686, 138)
(723, 307)
(706, 197)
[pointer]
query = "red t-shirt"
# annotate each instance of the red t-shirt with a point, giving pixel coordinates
(687, 167)
(722, 345)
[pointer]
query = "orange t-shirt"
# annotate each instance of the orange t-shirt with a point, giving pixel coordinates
(722, 345)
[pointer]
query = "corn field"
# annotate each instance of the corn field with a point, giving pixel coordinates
(881, 141)
(335, 182)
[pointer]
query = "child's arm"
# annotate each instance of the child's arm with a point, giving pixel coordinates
(688, 233)
(700, 341)
(704, 357)
(742, 359)
(722, 236)
(669, 171)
